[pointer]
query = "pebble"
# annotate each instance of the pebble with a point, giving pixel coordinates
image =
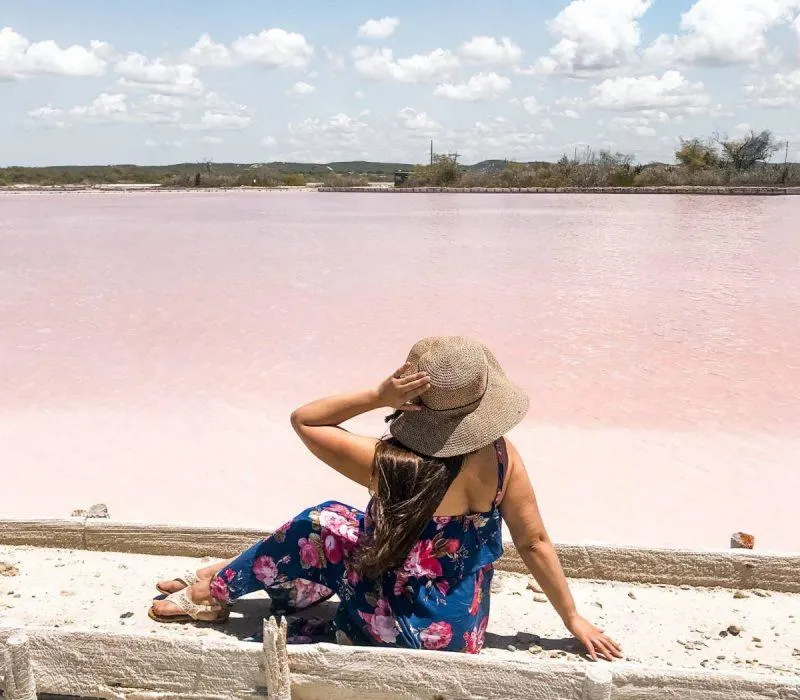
(686, 587)
(756, 639)
(535, 649)
(8, 569)
(510, 647)
(758, 646)
(540, 598)
(723, 633)
(762, 594)
(126, 615)
(721, 657)
(741, 594)
(533, 586)
(631, 595)
(735, 630)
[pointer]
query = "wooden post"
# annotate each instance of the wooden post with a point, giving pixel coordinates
(276, 660)
(20, 683)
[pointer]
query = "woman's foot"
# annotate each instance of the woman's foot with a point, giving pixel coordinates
(206, 574)
(195, 603)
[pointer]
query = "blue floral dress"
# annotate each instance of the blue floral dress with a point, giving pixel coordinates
(438, 599)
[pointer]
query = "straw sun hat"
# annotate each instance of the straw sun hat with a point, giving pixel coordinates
(470, 404)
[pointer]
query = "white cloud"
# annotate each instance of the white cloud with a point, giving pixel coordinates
(19, 57)
(570, 114)
(140, 73)
(531, 105)
(412, 120)
(336, 61)
(300, 89)
(109, 108)
(212, 140)
(380, 64)
(671, 91)
(338, 124)
(722, 32)
(480, 87)
(379, 28)
(498, 137)
(268, 141)
(150, 143)
(359, 95)
(487, 49)
(547, 124)
(215, 121)
(779, 90)
(594, 35)
(272, 48)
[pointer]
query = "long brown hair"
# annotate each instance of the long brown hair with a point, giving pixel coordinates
(409, 488)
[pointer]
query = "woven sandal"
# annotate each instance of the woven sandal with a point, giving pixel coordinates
(191, 610)
(187, 579)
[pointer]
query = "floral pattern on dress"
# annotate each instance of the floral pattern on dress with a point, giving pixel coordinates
(437, 600)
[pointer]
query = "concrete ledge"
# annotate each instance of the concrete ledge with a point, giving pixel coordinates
(110, 665)
(724, 568)
(676, 189)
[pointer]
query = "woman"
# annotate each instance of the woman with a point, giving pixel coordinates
(415, 570)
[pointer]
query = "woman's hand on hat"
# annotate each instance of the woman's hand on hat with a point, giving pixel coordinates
(597, 643)
(400, 390)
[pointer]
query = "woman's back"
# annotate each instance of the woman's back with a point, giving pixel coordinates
(474, 490)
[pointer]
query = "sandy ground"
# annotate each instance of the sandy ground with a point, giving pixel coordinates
(656, 625)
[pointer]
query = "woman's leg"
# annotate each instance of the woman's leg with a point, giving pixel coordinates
(305, 558)
(204, 574)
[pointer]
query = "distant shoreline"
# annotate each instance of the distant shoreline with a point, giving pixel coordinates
(667, 189)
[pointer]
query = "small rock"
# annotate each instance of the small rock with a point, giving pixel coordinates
(78, 513)
(510, 647)
(762, 594)
(535, 649)
(721, 657)
(723, 633)
(8, 569)
(99, 510)
(741, 594)
(68, 594)
(795, 652)
(631, 595)
(686, 587)
(706, 636)
(59, 566)
(735, 630)
(756, 639)
(598, 604)
(741, 540)
(704, 663)
(540, 598)
(533, 586)
(126, 615)
(681, 642)
(758, 646)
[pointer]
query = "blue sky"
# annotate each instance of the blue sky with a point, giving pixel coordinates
(160, 82)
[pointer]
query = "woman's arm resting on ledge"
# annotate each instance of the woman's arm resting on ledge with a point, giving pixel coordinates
(521, 514)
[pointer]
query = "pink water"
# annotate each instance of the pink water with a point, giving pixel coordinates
(152, 346)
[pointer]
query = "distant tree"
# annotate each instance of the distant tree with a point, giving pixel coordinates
(697, 154)
(745, 153)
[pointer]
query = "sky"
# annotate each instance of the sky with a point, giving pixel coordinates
(98, 82)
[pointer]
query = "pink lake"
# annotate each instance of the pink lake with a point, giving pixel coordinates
(152, 346)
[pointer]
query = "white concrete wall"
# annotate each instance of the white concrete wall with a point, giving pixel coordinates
(146, 666)
(725, 568)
